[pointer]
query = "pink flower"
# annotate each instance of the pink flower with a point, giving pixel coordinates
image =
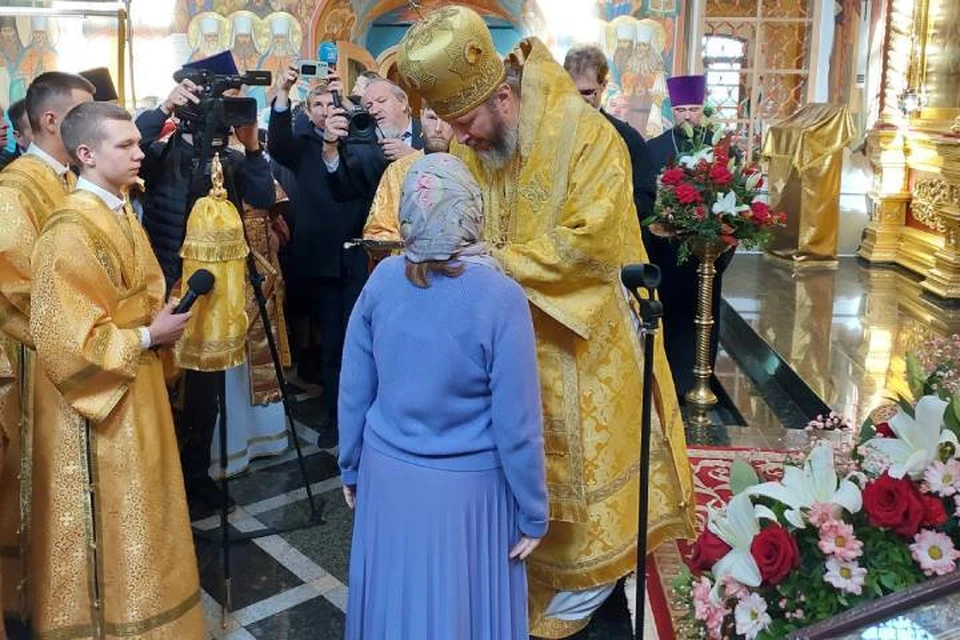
(956, 501)
(704, 608)
(734, 589)
(837, 539)
(822, 512)
(934, 552)
(845, 576)
(943, 478)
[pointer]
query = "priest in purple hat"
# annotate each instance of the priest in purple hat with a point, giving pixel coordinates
(678, 288)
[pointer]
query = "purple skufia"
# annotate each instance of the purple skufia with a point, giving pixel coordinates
(687, 90)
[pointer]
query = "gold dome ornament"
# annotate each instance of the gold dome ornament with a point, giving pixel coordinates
(449, 59)
(215, 336)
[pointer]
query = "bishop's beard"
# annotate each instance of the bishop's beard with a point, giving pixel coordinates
(502, 146)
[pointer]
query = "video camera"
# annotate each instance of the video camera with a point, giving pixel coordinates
(216, 114)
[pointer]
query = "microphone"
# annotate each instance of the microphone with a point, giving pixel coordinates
(198, 285)
(327, 52)
(635, 276)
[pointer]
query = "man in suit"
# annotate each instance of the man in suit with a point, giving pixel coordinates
(587, 65)
(678, 288)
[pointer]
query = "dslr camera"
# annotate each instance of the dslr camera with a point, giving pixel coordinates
(362, 127)
(216, 114)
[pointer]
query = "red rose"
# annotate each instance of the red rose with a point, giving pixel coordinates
(706, 551)
(934, 514)
(687, 194)
(721, 175)
(776, 553)
(700, 212)
(893, 503)
(883, 430)
(760, 212)
(672, 177)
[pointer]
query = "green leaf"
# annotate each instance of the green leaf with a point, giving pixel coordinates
(916, 376)
(951, 416)
(687, 130)
(742, 476)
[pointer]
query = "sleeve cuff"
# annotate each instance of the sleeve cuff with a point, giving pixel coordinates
(332, 165)
(348, 477)
(531, 528)
(145, 339)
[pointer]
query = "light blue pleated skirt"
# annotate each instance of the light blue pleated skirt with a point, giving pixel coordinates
(429, 559)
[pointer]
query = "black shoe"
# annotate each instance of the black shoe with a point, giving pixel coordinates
(328, 437)
(204, 498)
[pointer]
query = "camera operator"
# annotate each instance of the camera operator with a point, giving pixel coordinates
(168, 170)
(333, 276)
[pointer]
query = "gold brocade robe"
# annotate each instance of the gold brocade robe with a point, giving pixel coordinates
(383, 223)
(562, 222)
(112, 553)
(264, 386)
(29, 192)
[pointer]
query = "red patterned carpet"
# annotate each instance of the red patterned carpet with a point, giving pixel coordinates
(711, 478)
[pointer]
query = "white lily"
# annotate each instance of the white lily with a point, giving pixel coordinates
(918, 439)
(727, 204)
(737, 527)
(816, 482)
(690, 160)
(752, 181)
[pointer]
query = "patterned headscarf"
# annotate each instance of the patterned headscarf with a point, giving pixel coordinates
(441, 212)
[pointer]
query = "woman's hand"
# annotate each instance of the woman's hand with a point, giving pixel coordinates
(350, 495)
(522, 549)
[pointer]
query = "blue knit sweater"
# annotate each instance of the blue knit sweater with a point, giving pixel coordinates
(446, 377)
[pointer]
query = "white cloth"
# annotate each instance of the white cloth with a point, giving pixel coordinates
(577, 605)
(252, 432)
(34, 150)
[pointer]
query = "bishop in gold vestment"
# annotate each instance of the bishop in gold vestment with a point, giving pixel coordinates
(30, 189)
(562, 222)
(112, 554)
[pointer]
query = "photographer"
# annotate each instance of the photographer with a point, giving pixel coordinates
(169, 171)
(356, 161)
(331, 275)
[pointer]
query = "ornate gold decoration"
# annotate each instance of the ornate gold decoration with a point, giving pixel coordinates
(701, 396)
(928, 197)
(955, 127)
(449, 59)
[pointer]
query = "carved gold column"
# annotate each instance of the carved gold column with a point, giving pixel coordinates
(940, 198)
(888, 197)
(885, 143)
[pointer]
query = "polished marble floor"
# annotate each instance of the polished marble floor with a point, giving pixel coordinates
(837, 337)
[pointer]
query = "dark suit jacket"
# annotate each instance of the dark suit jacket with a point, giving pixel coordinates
(678, 286)
(362, 165)
(321, 223)
(644, 172)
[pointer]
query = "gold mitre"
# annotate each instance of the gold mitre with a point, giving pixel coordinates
(449, 59)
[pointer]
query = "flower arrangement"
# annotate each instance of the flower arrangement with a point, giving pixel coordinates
(710, 195)
(832, 534)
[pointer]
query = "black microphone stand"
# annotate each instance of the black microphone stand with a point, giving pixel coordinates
(634, 277)
(207, 150)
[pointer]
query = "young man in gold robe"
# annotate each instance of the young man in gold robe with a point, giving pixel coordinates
(561, 220)
(31, 187)
(112, 554)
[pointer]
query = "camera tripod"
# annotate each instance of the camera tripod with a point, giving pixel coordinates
(634, 278)
(200, 176)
